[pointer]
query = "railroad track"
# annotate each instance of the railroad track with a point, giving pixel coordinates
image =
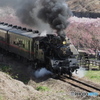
(84, 85)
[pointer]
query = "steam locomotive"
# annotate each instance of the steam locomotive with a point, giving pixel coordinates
(52, 51)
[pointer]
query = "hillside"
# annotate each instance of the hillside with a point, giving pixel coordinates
(84, 5)
(11, 89)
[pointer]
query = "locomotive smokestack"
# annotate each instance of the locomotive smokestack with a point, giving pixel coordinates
(62, 34)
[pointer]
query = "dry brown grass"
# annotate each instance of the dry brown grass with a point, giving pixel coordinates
(84, 5)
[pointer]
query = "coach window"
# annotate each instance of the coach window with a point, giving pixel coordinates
(2, 37)
(23, 43)
(30, 45)
(26, 45)
(20, 42)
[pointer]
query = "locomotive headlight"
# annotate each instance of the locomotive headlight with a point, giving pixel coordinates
(64, 42)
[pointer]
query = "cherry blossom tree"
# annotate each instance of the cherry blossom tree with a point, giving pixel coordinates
(84, 32)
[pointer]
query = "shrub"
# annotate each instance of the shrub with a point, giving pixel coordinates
(6, 69)
(42, 88)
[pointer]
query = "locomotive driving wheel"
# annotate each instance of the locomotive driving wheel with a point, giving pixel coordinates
(36, 64)
(49, 66)
(70, 73)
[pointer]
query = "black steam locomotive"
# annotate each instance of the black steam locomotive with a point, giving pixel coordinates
(44, 50)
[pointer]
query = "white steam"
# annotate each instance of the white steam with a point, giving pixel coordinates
(81, 72)
(42, 72)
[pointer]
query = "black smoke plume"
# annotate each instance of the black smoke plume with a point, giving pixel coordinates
(55, 12)
(41, 13)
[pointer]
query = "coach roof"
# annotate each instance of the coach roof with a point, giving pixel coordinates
(24, 33)
(5, 27)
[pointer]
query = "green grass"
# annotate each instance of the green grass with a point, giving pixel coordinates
(93, 75)
(14, 73)
(5, 69)
(8, 70)
(1, 98)
(42, 88)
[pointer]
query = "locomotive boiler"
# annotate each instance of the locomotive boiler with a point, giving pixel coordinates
(52, 51)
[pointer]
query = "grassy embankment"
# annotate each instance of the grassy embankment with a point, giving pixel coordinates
(93, 76)
(1, 97)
